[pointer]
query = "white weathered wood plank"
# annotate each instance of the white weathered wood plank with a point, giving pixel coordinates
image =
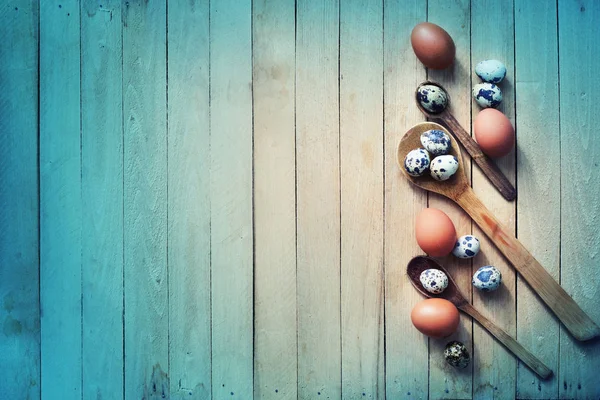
(19, 201)
(189, 200)
(538, 169)
(231, 198)
(275, 327)
(579, 34)
(60, 200)
(102, 199)
(406, 358)
(494, 368)
(361, 169)
(318, 199)
(446, 381)
(145, 199)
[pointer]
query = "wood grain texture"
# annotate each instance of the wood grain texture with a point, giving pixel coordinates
(231, 198)
(361, 169)
(145, 199)
(579, 189)
(318, 199)
(189, 200)
(275, 326)
(102, 199)
(494, 367)
(402, 73)
(446, 381)
(60, 200)
(538, 166)
(19, 201)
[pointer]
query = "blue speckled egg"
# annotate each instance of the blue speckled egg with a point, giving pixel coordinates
(492, 71)
(487, 95)
(443, 167)
(416, 162)
(487, 278)
(432, 98)
(466, 246)
(436, 142)
(434, 280)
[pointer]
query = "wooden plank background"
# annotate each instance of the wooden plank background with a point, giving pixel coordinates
(201, 200)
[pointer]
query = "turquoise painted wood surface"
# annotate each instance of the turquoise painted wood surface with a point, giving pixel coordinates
(200, 200)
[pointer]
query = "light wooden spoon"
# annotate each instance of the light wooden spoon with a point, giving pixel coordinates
(457, 188)
(453, 294)
(491, 171)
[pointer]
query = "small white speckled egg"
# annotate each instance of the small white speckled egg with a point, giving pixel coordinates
(434, 280)
(487, 95)
(457, 355)
(443, 167)
(466, 246)
(416, 162)
(487, 278)
(432, 98)
(436, 142)
(492, 71)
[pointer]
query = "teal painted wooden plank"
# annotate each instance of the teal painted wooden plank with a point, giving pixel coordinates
(189, 200)
(60, 199)
(579, 34)
(406, 357)
(538, 166)
(102, 198)
(446, 381)
(19, 201)
(494, 368)
(318, 199)
(231, 198)
(361, 163)
(275, 326)
(145, 200)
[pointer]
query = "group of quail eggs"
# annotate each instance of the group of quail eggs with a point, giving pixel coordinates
(435, 143)
(487, 278)
(488, 94)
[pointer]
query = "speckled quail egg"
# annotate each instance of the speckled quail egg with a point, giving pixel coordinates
(434, 280)
(443, 167)
(416, 162)
(432, 98)
(436, 142)
(457, 355)
(466, 246)
(487, 278)
(487, 95)
(492, 71)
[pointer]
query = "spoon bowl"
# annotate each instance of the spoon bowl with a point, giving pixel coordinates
(452, 187)
(452, 294)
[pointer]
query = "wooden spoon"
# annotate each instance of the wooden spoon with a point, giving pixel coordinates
(488, 167)
(453, 294)
(457, 188)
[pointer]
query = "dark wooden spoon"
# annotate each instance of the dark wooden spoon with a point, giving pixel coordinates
(453, 295)
(488, 167)
(457, 188)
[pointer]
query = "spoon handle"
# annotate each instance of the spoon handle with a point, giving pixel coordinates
(488, 167)
(556, 298)
(511, 344)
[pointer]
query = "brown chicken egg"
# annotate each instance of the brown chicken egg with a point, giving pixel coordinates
(435, 232)
(435, 317)
(432, 45)
(494, 133)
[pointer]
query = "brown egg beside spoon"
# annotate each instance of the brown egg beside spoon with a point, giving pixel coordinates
(457, 189)
(453, 295)
(488, 167)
